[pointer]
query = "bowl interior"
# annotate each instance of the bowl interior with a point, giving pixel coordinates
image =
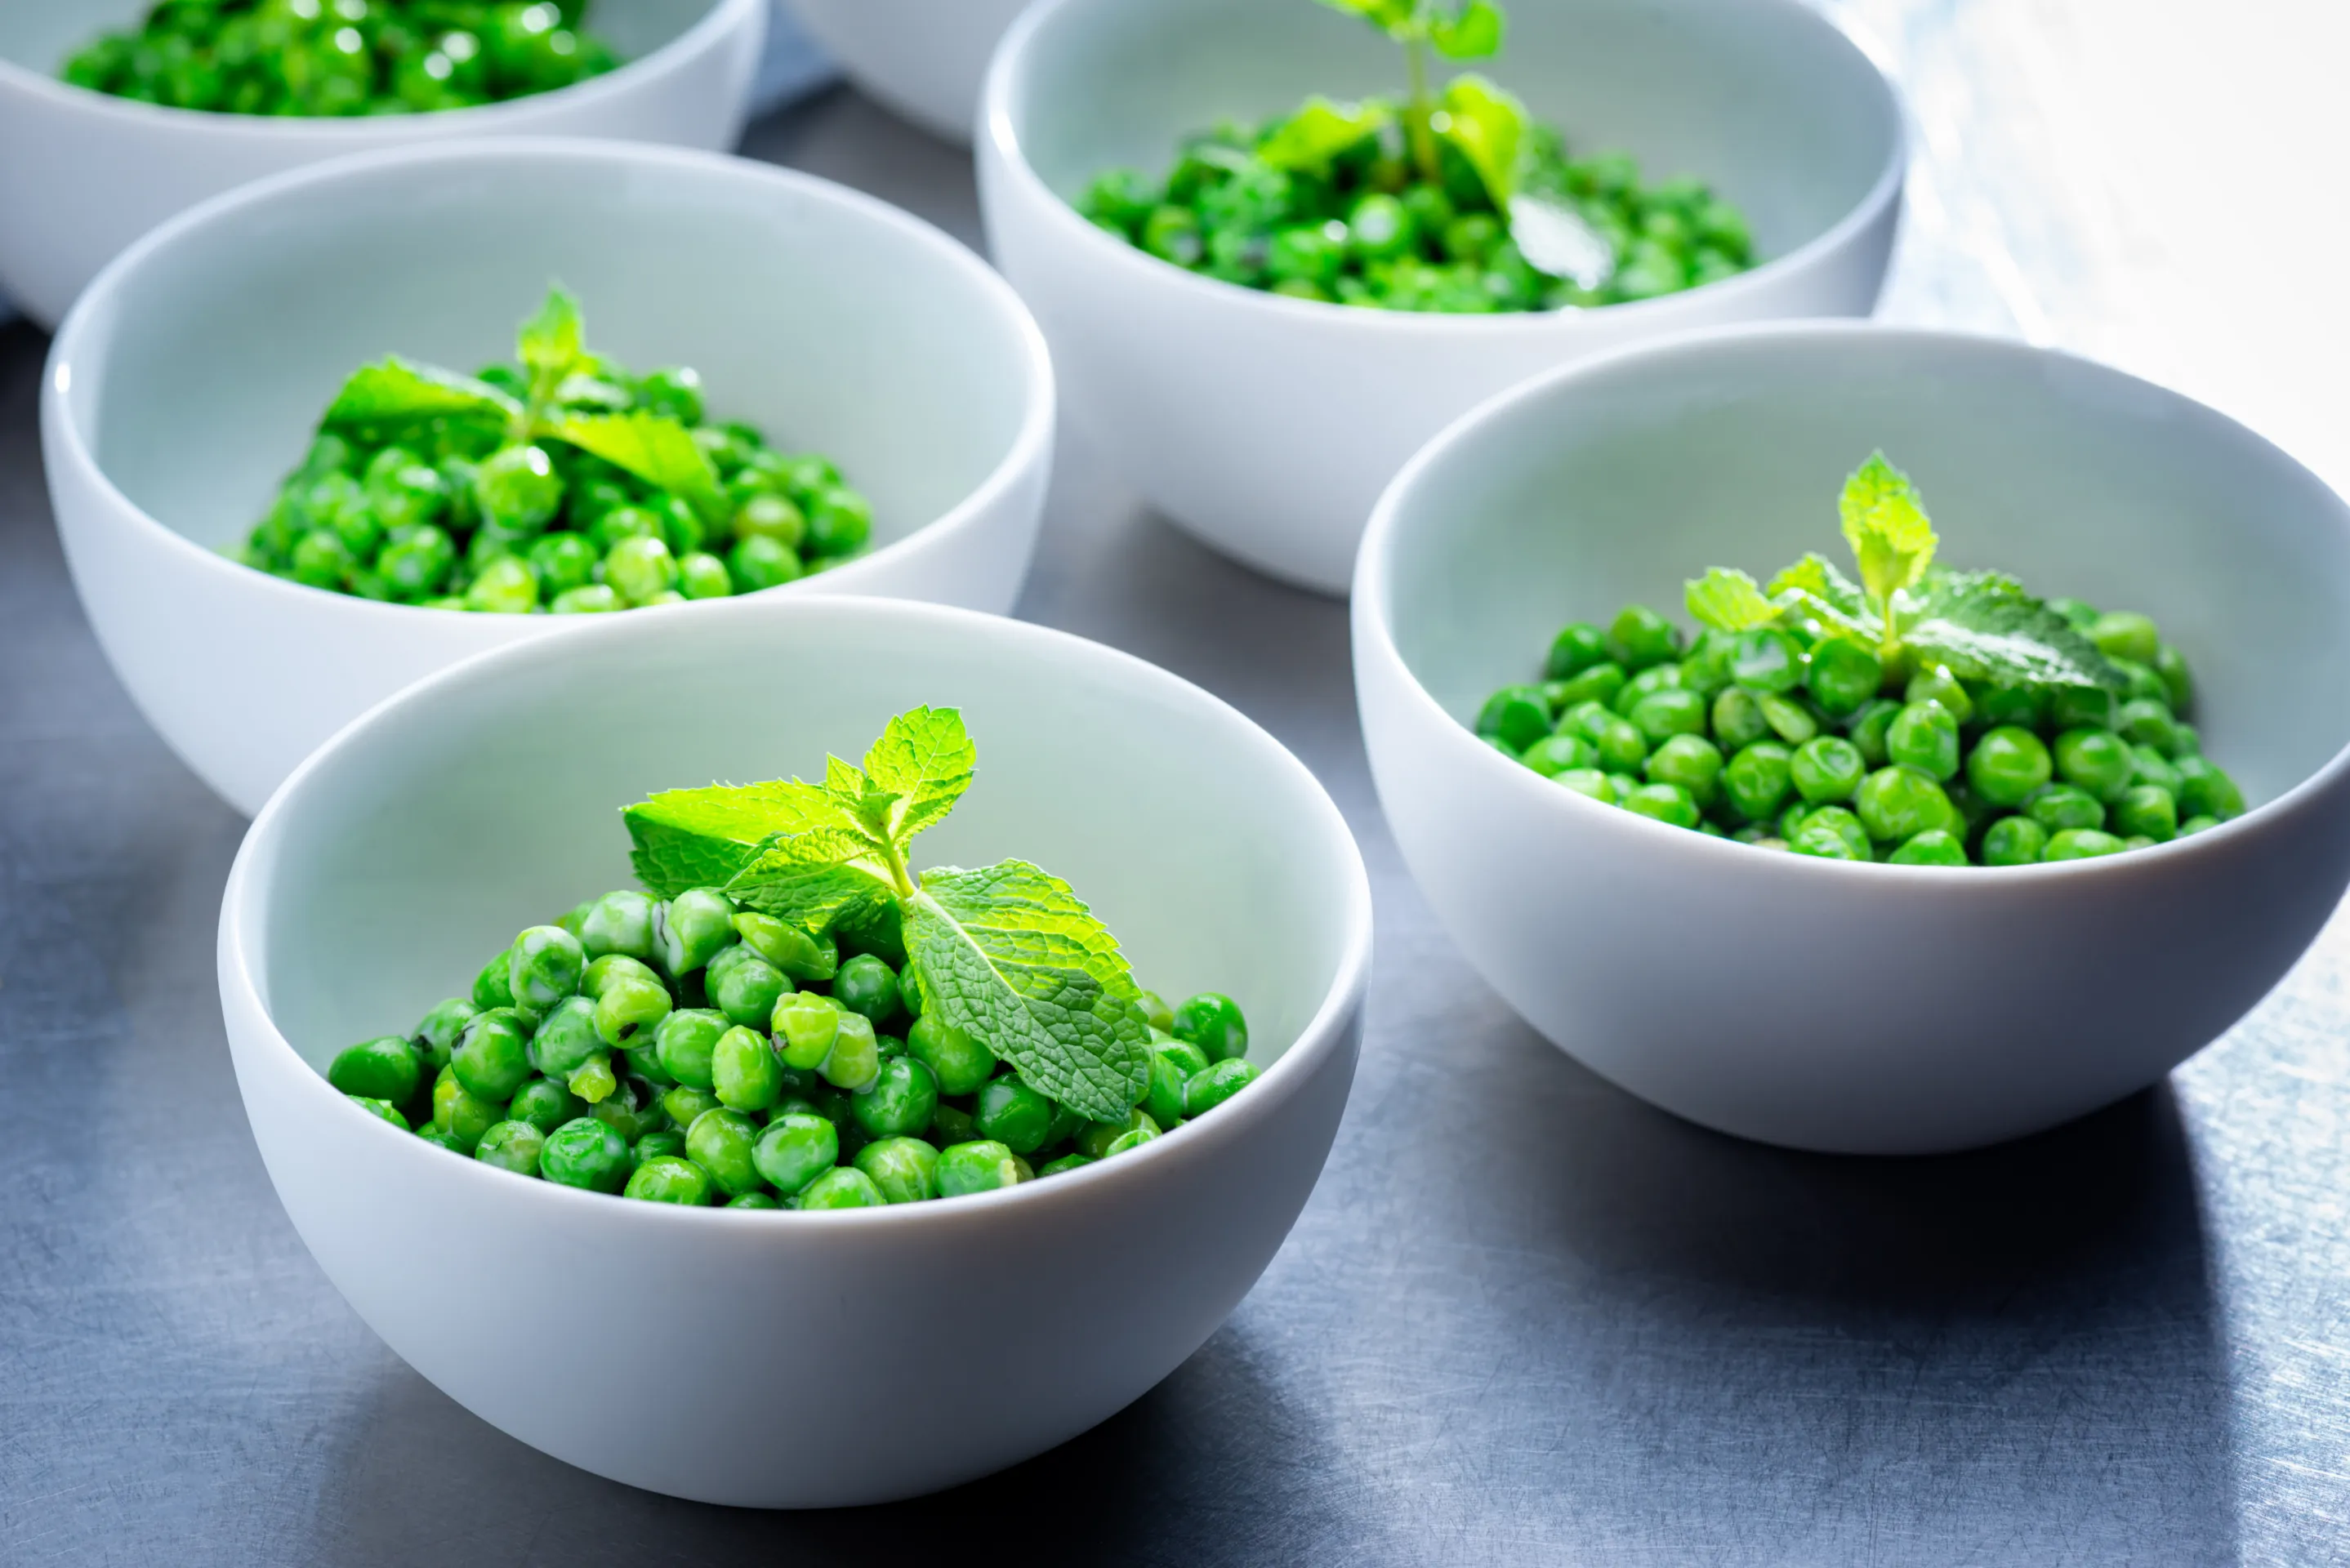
(39, 34)
(1763, 100)
(833, 323)
(1618, 484)
(489, 800)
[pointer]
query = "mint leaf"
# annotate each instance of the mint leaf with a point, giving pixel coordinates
(1817, 577)
(1488, 124)
(552, 343)
(703, 837)
(399, 392)
(1884, 522)
(813, 882)
(656, 448)
(1395, 17)
(925, 759)
(1473, 33)
(1308, 140)
(1011, 955)
(1985, 627)
(1727, 600)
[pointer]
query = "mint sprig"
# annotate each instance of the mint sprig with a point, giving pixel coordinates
(1007, 951)
(1981, 626)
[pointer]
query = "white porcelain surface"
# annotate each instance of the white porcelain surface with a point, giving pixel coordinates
(924, 59)
(833, 1358)
(1267, 425)
(1860, 1007)
(83, 174)
(188, 381)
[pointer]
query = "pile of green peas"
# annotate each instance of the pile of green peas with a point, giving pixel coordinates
(448, 517)
(689, 1051)
(1376, 233)
(331, 57)
(1820, 749)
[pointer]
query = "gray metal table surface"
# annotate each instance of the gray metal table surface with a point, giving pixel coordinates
(1525, 1318)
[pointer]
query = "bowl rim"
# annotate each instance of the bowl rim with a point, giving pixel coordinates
(1005, 87)
(1030, 444)
(243, 898)
(1374, 586)
(720, 17)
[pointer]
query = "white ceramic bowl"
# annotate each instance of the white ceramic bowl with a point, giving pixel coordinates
(83, 174)
(923, 58)
(1267, 425)
(1858, 1008)
(188, 379)
(825, 1359)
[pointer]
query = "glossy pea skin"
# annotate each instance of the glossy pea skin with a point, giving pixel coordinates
(1094, 1139)
(806, 959)
(586, 1154)
(490, 987)
(2081, 844)
(666, 1179)
(2080, 707)
(1925, 736)
(2147, 722)
(954, 1056)
(2018, 707)
(389, 1068)
(747, 990)
(1517, 716)
(692, 929)
(631, 1107)
(1737, 719)
(805, 1027)
(2096, 761)
(905, 1170)
(867, 985)
(566, 1038)
(492, 1058)
(1831, 832)
(1867, 729)
(628, 1007)
(1577, 646)
(722, 1143)
(1164, 1098)
(1841, 675)
(437, 1032)
(1757, 780)
(1899, 803)
(2144, 811)
(1826, 769)
(620, 922)
(745, 1074)
(1790, 721)
(2014, 841)
(855, 1055)
(1638, 636)
(2062, 807)
(900, 1102)
(1938, 685)
(544, 965)
(546, 1104)
(2206, 790)
(513, 1145)
(842, 1187)
(795, 1148)
(1066, 1163)
(2008, 764)
(1663, 803)
(1212, 1022)
(1934, 846)
(1641, 687)
(1203, 1092)
(1011, 1113)
(1600, 684)
(1554, 754)
(982, 1165)
(1767, 660)
(753, 1200)
(2124, 634)
(1690, 763)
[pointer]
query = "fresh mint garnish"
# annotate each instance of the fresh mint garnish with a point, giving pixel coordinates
(568, 401)
(1007, 952)
(1981, 626)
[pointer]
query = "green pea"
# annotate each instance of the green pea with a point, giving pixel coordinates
(566, 1038)
(1934, 846)
(1578, 647)
(867, 985)
(2062, 807)
(745, 1072)
(1842, 674)
(720, 1142)
(1690, 763)
(1925, 736)
(1824, 769)
(622, 923)
(753, 1200)
(627, 1007)
(1705, 669)
(2141, 684)
(1067, 1162)
(2020, 706)
(806, 1026)
(1380, 228)
(693, 928)
(1870, 726)
(2154, 768)
(2081, 844)
(1203, 1092)
(1164, 1099)
(1663, 803)
(512, 1146)
(1135, 1138)
(1790, 721)
(2146, 811)
(1646, 684)
(951, 1125)
(905, 1170)
(543, 966)
(955, 1057)
(980, 1166)
(629, 1106)
(795, 1148)
(2124, 634)
(2079, 613)
(1621, 745)
(2195, 824)
(2147, 722)
(2206, 790)
(1597, 683)
(388, 1068)
(1938, 685)
(1013, 1114)
(1757, 779)
(1212, 1022)
(2096, 761)
(1738, 720)
(1588, 782)
(1515, 715)
(843, 1186)
(492, 1058)
(839, 522)
(546, 1104)
(1828, 833)
(587, 1154)
(666, 1179)
(746, 990)
(1767, 660)
(801, 957)
(490, 987)
(1663, 715)
(703, 576)
(856, 1054)
(2080, 707)
(1554, 754)
(901, 1100)
(1638, 636)
(589, 599)
(684, 1102)
(2008, 764)
(437, 1032)
(1899, 803)
(564, 562)
(2171, 664)
(2014, 841)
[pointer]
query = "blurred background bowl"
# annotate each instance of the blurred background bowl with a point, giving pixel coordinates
(923, 58)
(1860, 1008)
(190, 378)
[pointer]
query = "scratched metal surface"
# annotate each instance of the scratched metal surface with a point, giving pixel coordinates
(1523, 1320)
